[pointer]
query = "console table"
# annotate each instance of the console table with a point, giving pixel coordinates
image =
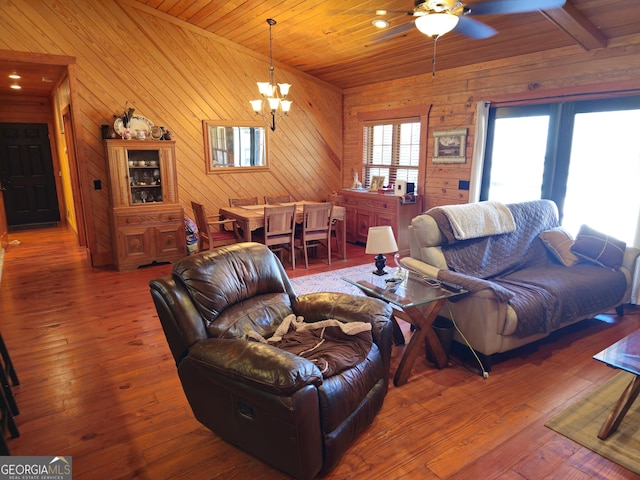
(370, 209)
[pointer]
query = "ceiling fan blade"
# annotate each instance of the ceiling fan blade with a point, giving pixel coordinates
(369, 12)
(474, 29)
(395, 31)
(493, 7)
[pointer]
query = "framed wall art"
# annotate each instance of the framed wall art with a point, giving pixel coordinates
(449, 146)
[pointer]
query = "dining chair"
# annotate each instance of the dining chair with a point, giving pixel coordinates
(211, 229)
(241, 202)
(272, 200)
(279, 230)
(316, 228)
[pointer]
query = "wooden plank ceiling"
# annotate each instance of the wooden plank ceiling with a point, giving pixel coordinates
(335, 41)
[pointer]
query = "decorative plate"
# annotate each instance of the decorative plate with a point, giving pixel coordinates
(137, 122)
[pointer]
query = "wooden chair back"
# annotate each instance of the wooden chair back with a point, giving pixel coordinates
(240, 202)
(316, 228)
(279, 229)
(211, 229)
(272, 200)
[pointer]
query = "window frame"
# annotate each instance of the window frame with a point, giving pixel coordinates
(561, 118)
(395, 164)
(410, 114)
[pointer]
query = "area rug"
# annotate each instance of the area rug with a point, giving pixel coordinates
(581, 423)
(332, 281)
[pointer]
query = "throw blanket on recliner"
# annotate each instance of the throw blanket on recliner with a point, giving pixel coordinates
(332, 345)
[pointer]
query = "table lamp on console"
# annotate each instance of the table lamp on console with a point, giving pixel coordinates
(380, 240)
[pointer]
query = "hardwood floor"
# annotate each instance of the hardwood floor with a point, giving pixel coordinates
(98, 383)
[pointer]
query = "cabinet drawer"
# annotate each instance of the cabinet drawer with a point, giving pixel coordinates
(166, 217)
(372, 203)
(129, 219)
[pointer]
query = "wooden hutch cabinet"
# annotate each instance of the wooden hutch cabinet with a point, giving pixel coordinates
(370, 209)
(147, 221)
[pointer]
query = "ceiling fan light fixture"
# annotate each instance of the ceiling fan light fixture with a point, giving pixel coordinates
(435, 25)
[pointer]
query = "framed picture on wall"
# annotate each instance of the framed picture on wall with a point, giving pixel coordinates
(449, 146)
(376, 183)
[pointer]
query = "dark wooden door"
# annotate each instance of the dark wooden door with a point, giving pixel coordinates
(26, 174)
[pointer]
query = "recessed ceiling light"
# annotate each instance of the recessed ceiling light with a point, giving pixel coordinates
(15, 76)
(16, 87)
(47, 79)
(381, 12)
(379, 23)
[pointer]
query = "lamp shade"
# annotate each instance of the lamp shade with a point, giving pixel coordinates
(381, 240)
(256, 105)
(436, 24)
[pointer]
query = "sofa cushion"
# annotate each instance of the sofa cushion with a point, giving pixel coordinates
(598, 248)
(558, 241)
(434, 256)
(426, 231)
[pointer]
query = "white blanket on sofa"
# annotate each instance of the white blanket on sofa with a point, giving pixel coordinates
(474, 220)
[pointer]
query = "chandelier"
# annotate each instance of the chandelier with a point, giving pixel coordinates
(275, 93)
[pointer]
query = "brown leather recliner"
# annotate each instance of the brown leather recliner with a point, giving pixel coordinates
(264, 399)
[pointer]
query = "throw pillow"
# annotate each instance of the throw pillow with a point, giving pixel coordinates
(559, 243)
(598, 247)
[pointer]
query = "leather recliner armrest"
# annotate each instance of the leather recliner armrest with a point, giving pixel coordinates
(315, 307)
(263, 366)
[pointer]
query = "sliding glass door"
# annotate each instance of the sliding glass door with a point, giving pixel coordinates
(583, 155)
(603, 185)
(517, 144)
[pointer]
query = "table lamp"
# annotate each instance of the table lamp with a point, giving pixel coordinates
(380, 240)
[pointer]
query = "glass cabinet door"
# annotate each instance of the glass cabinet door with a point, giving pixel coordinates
(145, 176)
(141, 172)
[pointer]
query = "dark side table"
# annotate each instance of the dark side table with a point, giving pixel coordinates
(420, 303)
(624, 355)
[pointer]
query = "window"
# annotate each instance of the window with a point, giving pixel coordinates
(583, 155)
(391, 150)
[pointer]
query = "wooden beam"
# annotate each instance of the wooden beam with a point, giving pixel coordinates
(577, 26)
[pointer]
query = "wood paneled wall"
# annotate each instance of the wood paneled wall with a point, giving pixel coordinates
(453, 95)
(176, 75)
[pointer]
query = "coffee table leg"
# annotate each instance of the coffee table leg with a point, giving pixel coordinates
(620, 409)
(423, 320)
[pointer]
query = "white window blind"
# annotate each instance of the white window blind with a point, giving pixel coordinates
(391, 150)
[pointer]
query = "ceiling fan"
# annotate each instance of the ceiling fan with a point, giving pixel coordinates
(434, 18)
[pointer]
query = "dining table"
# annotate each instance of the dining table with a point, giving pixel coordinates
(251, 218)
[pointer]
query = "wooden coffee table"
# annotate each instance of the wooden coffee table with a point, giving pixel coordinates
(624, 355)
(419, 304)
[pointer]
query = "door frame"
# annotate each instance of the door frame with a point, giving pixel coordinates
(86, 235)
(78, 203)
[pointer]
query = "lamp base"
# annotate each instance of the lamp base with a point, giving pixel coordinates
(380, 261)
